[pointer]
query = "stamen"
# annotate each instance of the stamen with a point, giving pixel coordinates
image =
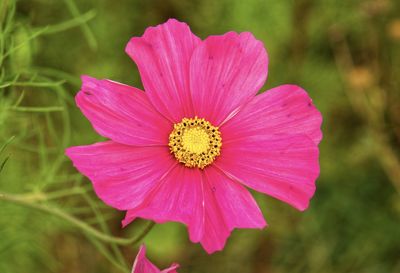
(195, 142)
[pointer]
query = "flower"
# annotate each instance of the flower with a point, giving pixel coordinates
(143, 265)
(186, 149)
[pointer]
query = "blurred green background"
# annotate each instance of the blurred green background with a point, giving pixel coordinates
(346, 54)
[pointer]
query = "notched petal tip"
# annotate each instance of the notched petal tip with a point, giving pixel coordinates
(171, 269)
(314, 114)
(68, 151)
(121, 112)
(74, 152)
(170, 24)
(227, 70)
(143, 265)
(162, 55)
(86, 78)
(89, 83)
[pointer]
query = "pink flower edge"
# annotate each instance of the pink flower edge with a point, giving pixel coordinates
(143, 265)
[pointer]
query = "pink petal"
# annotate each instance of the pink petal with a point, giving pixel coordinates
(286, 109)
(208, 202)
(122, 113)
(228, 205)
(179, 198)
(162, 55)
(226, 72)
(122, 175)
(283, 166)
(143, 265)
(171, 269)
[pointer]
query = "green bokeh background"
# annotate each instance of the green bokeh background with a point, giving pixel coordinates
(346, 54)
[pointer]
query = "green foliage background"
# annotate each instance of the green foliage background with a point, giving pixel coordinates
(345, 53)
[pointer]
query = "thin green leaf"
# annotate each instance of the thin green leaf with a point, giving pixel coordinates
(75, 22)
(4, 163)
(32, 84)
(33, 36)
(87, 32)
(3, 147)
(37, 109)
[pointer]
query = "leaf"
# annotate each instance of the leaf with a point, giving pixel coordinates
(6, 144)
(4, 163)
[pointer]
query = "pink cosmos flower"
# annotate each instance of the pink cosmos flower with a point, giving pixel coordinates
(186, 149)
(143, 265)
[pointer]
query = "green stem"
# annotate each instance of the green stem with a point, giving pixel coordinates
(32, 84)
(3, 11)
(74, 22)
(31, 109)
(103, 250)
(87, 31)
(64, 193)
(27, 202)
(104, 227)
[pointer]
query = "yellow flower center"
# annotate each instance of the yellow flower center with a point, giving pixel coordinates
(195, 142)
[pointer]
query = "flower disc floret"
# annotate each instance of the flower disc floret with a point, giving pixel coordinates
(195, 142)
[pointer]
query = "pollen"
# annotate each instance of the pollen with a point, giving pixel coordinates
(195, 142)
